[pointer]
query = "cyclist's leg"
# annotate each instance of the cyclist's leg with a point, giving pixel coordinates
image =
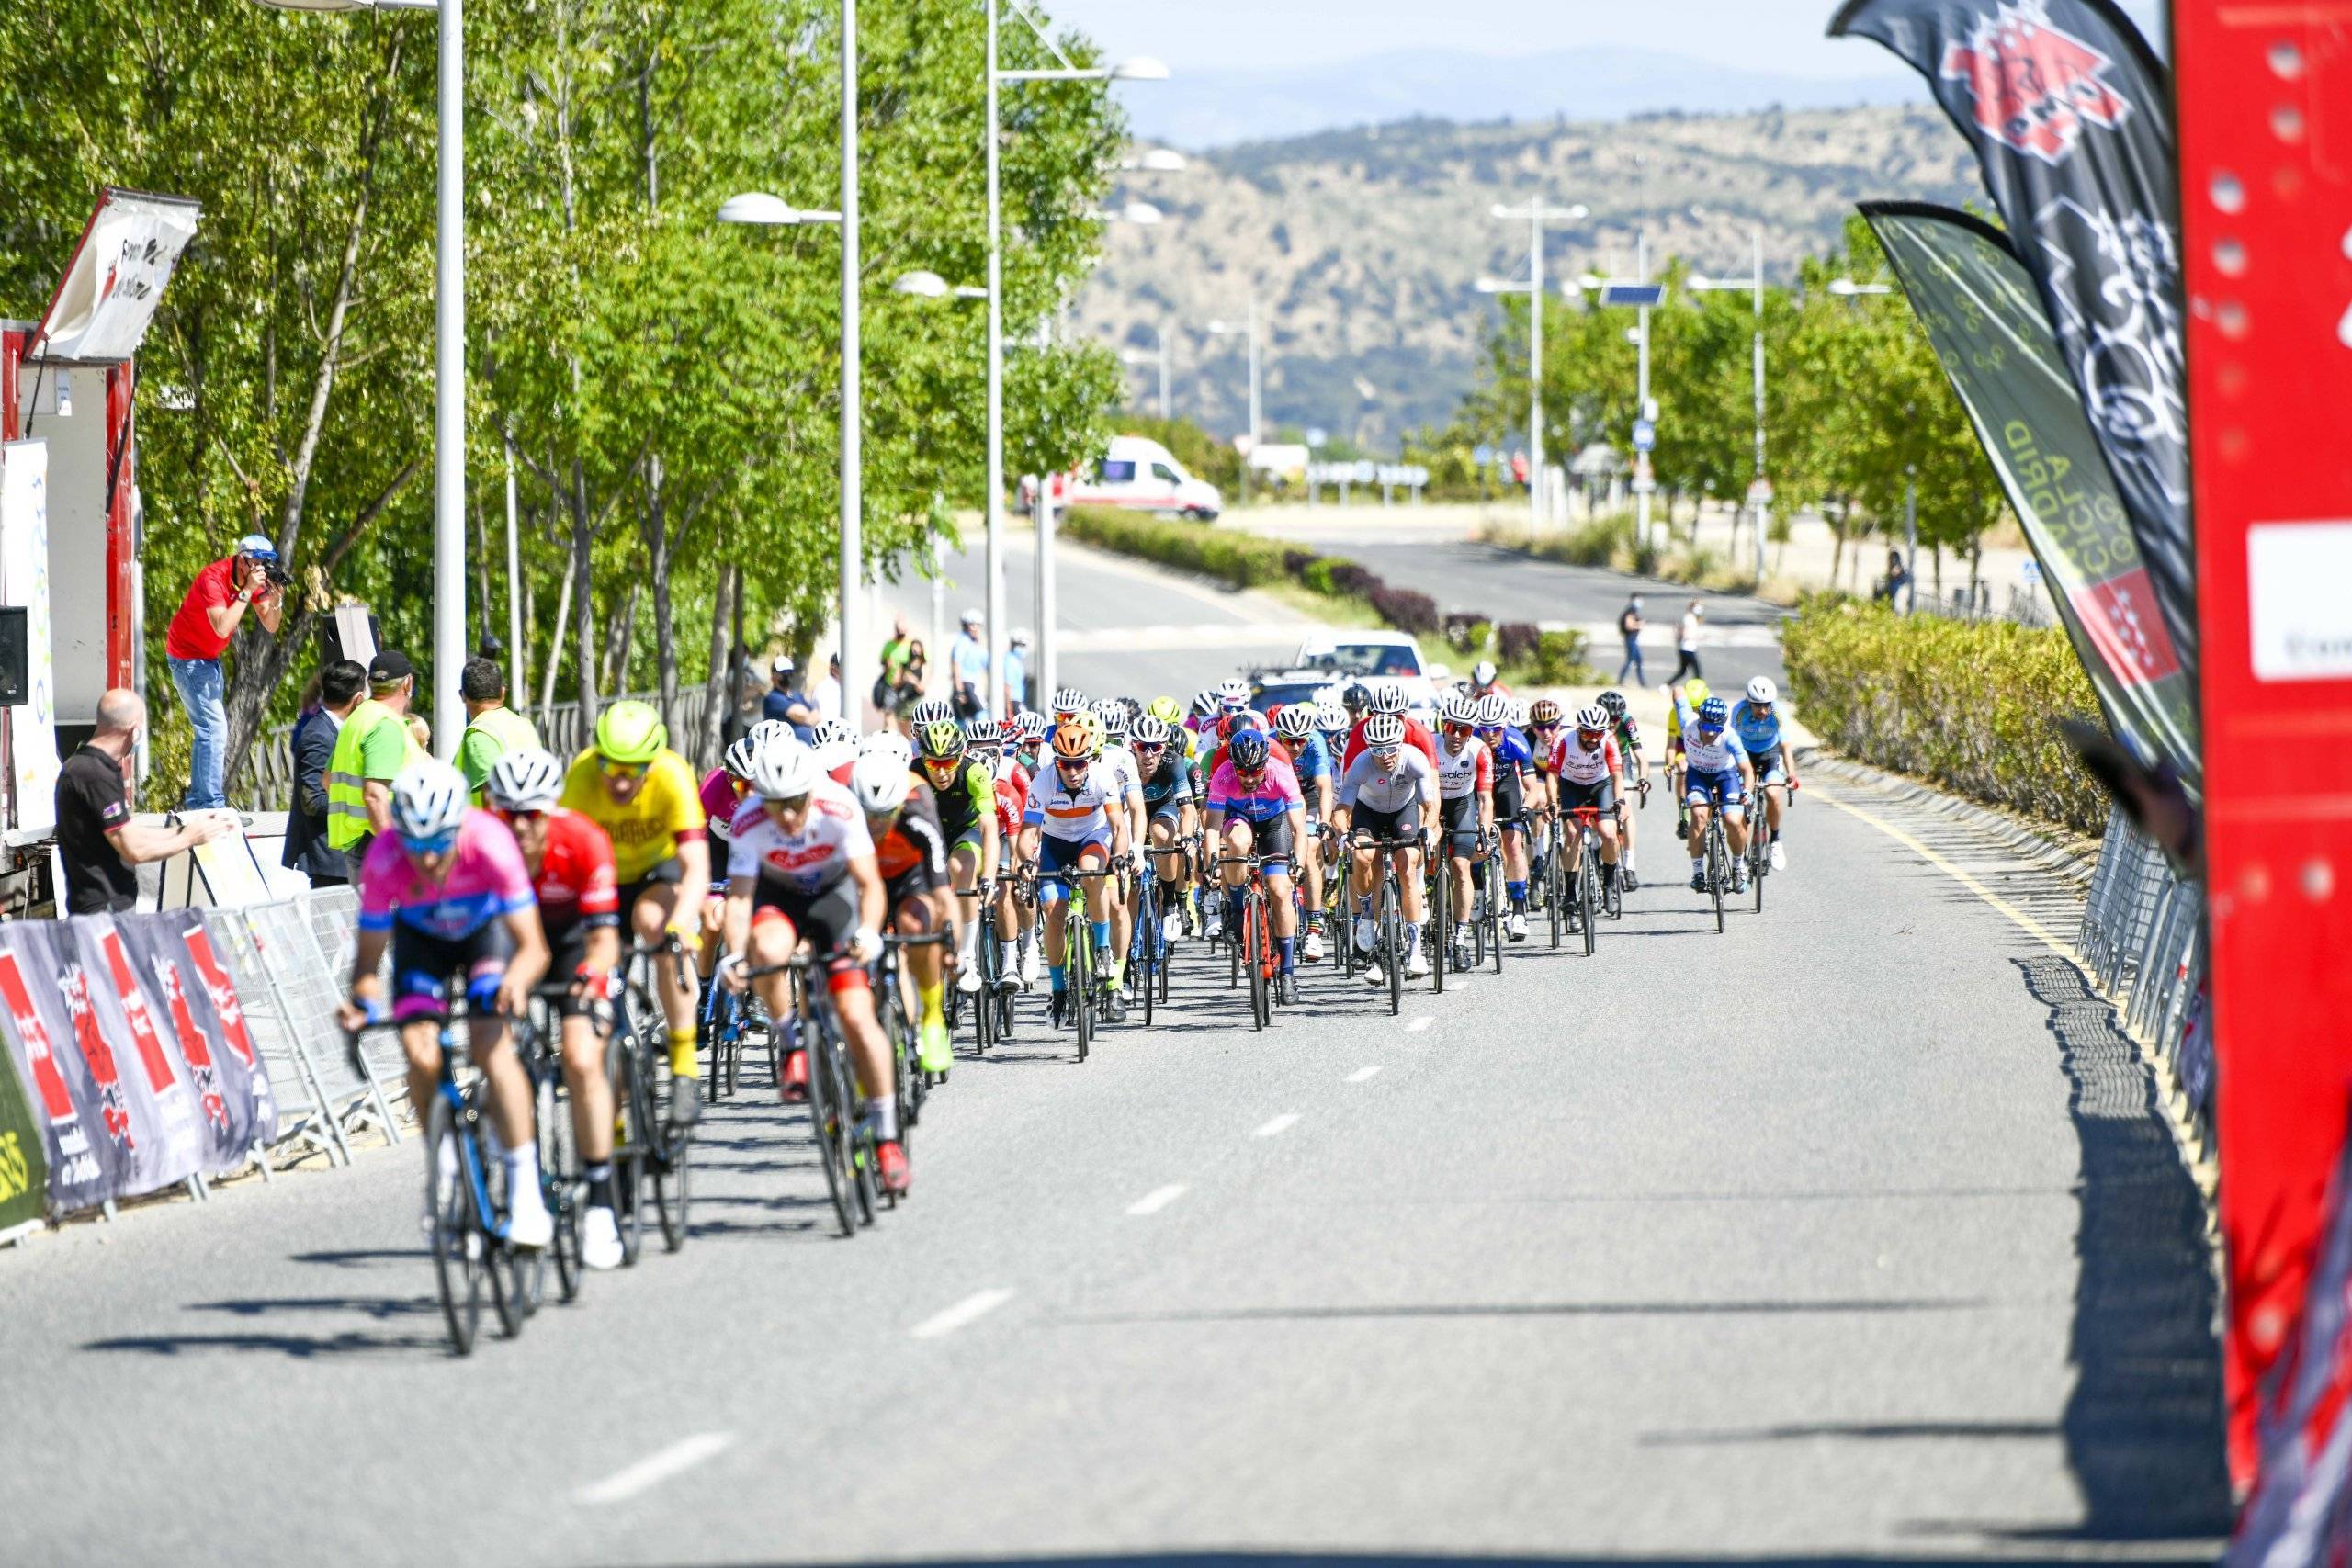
(963, 874)
(1735, 815)
(1233, 847)
(649, 918)
(1274, 843)
(422, 967)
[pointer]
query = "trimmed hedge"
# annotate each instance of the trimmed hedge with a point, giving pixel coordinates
(1971, 705)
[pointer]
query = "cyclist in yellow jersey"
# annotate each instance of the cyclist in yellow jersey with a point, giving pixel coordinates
(646, 800)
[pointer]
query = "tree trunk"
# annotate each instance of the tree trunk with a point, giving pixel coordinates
(656, 559)
(554, 641)
(583, 598)
(715, 688)
(620, 642)
(1837, 551)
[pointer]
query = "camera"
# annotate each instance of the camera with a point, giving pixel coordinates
(276, 573)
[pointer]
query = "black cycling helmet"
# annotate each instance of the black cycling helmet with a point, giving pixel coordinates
(1356, 698)
(1247, 749)
(1614, 704)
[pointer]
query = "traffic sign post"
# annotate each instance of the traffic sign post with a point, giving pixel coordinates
(1644, 436)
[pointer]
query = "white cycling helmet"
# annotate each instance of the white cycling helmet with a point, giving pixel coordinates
(1592, 715)
(528, 780)
(1295, 721)
(880, 782)
(888, 743)
(1383, 729)
(1483, 673)
(1233, 692)
(1457, 709)
(1032, 726)
(1330, 717)
(1151, 730)
(785, 770)
(1515, 713)
(1069, 699)
(428, 802)
(1388, 697)
(1112, 715)
(1494, 711)
(930, 711)
(834, 732)
(1761, 690)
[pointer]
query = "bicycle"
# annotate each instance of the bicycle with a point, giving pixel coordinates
(649, 1153)
(1759, 840)
(725, 1018)
(1148, 945)
(1587, 889)
(903, 1030)
(1078, 949)
(1486, 905)
(539, 1045)
(845, 1139)
(1717, 857)
(1388, 914)
(467, 1190)
(986, 1015)
(1255, 954)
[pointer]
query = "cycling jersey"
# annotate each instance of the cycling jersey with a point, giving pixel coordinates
(1629, 735)
(1218, 753)
(832, 833)
(575, 883)
(1388, 790)
(484, 883)
(966, 800)
(1721, 754)
(1012, 799)
(1175, 783)
(665, 812)
(912, 856)
(1571, 763)
(1266, 798)
(1123, 763)
(1310, 759)
(1073, 815)
(720, 799)
(1512, 754)
(1467, 773)
(1417, 734)
(1759, 734)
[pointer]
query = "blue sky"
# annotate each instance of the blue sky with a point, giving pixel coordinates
(1768, 35)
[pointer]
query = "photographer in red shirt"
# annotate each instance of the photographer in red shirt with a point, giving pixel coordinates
(200, 634)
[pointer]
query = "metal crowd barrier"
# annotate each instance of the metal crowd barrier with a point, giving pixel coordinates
(2142, 937)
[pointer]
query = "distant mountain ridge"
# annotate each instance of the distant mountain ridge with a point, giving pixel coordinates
(1205, 110)
(1363, 246)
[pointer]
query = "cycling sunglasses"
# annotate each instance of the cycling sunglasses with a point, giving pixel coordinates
(530, 814)
(1544, 728)
(612, 770)
(776, 803)
(1457, 730)
(1709, 730)
(438, 844)
(1590, 738)
(1388, 753)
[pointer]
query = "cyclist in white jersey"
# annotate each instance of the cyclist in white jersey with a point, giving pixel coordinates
(1110, 722)
(1587, 771)
(1465, 781)
(1075, 819)
(1388, 792)
(1715, 763)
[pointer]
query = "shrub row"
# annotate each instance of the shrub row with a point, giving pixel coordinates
(1971, 705)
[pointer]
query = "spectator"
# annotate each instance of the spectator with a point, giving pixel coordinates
(492, 728)
(1016, 671)
(968, 667)
(785, 701)
(370, 750)
(1629, 627)
(1686, 644)
(100, 845)
(341, 685)
(1897, 580)
(907, 690)
(895, 654)
(827, 700)
(199, 633)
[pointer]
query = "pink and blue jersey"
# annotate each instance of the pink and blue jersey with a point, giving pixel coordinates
(486, 881)
(1273, 792)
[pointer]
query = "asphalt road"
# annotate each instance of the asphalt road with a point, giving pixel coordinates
(1851, 1233)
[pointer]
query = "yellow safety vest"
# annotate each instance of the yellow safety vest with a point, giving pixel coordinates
(347, 822)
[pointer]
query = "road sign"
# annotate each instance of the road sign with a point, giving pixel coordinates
(1632, 293)
(1644, 436)
(1761, 493)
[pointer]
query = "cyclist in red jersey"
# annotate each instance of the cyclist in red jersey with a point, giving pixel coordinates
(571, 864)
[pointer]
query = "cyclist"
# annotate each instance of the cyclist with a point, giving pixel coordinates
(991, 745)
(1513, 762)
(1465, 779)
(965, 790)
(1074, 819)
(1203, 715)
(645, 798)
(1254, 804)
(804, 869)
(1755, 718)
(1027, 743)
(1170, 712)
(1172, 793)
(1715, 763)
(447, 891)
(910, 857)
(835, 743)
(1388, 697)
(1388, 792)
(722, 795)
(1310, 759)
(1486, 681)
(571, 866)
(1587, 771)
(1695, 690)
(1636, 771)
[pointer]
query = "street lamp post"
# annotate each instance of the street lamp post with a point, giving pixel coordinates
(1537, 215)
(1249, 325)
(1754, 282)
(1642, 294)
(1142, 69)
(448, 357)
(1138, 358)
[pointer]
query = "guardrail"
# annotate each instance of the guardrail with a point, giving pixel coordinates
(2143, 938)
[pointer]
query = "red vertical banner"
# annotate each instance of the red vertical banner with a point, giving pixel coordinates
(122, 543)
(2265, 95)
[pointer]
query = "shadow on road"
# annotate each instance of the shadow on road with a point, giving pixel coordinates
(2143, 1427)
(1432, 1560)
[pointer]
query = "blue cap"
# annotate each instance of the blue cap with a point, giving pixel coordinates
(255, 544)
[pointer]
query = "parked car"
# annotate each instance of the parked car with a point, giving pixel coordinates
(1357, 654)
(1139, 475)
(1272, 689)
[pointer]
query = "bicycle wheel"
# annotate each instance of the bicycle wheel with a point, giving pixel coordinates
(517, 1276)
(1718, 867)
(1077, 942)
(1758, 864)
(457, 1238)
(857, 1138)
(1496, 896)
(621, 1061)
(1144, 952)
(1253, 942)
(1441, 921)
(828, 1122)
(558, 1175)
(1392, 938)
(1554, 888)
(673, 1172)
(1589, 892)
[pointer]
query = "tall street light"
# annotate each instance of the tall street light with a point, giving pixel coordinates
(1142, 69)
(1158, 356)
(1640, 293)
(1537, 215)
(448, 359)
(1249, 325)
(1759, 490)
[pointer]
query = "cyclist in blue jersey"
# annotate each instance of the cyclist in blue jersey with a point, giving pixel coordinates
(1499, 721)
(1310, 759)
(1713, 763)
(1756, 720)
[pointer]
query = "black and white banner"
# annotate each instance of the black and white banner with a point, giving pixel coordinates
(2071, 116)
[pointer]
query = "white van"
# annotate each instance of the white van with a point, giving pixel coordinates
(1140, 475)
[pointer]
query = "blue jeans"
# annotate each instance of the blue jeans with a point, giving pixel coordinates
(202, 693)
(1632, 661)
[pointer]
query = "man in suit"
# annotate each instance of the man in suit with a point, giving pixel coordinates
(341, 685)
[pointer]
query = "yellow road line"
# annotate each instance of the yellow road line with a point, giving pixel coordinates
(2024, 921)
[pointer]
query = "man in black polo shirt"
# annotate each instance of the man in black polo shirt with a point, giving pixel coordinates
(101, 846)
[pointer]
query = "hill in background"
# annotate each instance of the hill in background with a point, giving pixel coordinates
(1364, 246)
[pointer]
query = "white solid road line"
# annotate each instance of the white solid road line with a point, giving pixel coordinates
(1415, 1025)
(656, 1467)
(1361, 1074)
(971, 1309)
(1158, 1198)
(1280, 1124)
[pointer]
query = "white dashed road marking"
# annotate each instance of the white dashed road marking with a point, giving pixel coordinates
(1415, 1025)
(657, 1468)
(1158, 1198)
(1280, 1124)
(1361, 1074)
(971, 1309)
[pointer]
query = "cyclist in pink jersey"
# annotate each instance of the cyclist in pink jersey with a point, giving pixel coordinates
(1254, 804)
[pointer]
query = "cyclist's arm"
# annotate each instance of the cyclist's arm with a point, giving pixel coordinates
(529, 965)
(366, 983)
(694, 866)
(873, 905)
(602, 954)
(983, 791)
(738, 912)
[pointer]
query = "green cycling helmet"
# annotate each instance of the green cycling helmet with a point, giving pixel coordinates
(631, 732)
(1167, 710)
(941, 741)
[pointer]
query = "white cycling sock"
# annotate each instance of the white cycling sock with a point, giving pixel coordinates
(1698, 864)
(965, 948)
(885, 1118)
(523, 1176)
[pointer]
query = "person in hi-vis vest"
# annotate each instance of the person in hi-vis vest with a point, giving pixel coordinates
(492, 729)
(370, 750)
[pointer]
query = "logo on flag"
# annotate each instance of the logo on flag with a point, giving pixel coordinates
(2035, 85)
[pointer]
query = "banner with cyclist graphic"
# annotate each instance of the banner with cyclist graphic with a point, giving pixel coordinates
(2071, 116)
(24, 1163)
(1977, 302)
(139, 1076)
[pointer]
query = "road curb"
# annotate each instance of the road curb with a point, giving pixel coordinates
(2050, 847)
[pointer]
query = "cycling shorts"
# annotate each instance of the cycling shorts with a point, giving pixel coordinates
(1700, 787)
(1405, 822)
(1511, 796)
(1172, 810)
(1602, 793)
(1769, 771)
(670, 871)
(1057, 856)
(423, 965)
(568, 950)
(1460, 820)
(825, 921)
(1272, 842)
(912, 882)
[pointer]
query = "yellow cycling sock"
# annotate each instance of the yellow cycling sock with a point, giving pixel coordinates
(931, 995)
(684, 1062)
